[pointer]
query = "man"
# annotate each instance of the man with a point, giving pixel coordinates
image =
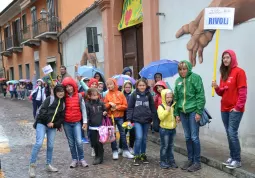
(63, 72)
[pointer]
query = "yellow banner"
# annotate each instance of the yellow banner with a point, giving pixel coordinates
(132, 14)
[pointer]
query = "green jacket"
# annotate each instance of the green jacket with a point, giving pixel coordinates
(189, 93)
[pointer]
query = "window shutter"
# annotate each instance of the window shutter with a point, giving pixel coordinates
(92, 40)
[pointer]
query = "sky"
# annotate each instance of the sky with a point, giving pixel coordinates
(4, 3)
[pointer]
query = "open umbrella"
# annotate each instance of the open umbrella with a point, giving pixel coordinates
(121, 79)
(88, 71)
(2, 79)
(13, 81)
(168, 68)
(22, 80)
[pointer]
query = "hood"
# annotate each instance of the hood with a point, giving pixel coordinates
(189, 65)
(92, 80)
(160, 83)
(39, 80)
(126, 82)
(115, 84)
(58, 87)
(233, 57)
(163, 95)
(127, 69)
(72, 82)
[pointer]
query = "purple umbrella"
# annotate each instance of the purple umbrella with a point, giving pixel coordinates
(122, 78)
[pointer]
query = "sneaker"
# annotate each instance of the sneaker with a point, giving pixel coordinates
(93, 152)
(173, 165)
(115, 155)
(50, 168)
(131, 150)
(228, 162)
(137, 160)
(97, 161)
(74, 164)
(186, 165)
(127, 154)
(31, 171)
(195, 167)
(120, 151)
(164, 165)
(234, 164)
(84, 140)
(84, 163)
(144, 159)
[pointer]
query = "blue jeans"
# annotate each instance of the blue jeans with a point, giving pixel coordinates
(40, 133)
(73, 135)
(141, 133)
(231, 121)
(191, 132)
(119, 122)
(167, 145)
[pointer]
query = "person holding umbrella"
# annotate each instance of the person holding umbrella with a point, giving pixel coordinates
(190, 102)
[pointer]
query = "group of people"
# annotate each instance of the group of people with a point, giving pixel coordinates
(85, 103)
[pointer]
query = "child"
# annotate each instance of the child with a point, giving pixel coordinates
(167, 129)
(141, 110)
(95, 112)
(116, 105)
(159, 86)
(75, 111)
(127, 90)
(50, 117)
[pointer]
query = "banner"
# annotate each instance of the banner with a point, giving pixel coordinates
(47, 70)
(132, 14)
(219, 18)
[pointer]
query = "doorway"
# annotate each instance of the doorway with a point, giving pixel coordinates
(132, 40)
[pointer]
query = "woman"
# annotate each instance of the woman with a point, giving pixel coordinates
(190, 101)
(22, 87)
(51, 117)
(233, 90)
(38, 96)
(100, 78)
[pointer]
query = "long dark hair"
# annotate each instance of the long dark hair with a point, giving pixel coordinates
(141, 80)
(225, 70)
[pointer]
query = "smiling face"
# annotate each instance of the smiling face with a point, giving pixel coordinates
(94, 96)
(141, 86)
(60, 94)
(128, 88)
(97, 76)
(94, 85)
(69, 89)
(226, 59)
(158, 77)
(183, 69)
(100, 87)
(160, 88)
(110, 85)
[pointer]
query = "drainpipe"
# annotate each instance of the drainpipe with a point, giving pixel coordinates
(59, 48)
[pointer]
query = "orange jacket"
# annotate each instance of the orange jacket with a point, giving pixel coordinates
(117, 98)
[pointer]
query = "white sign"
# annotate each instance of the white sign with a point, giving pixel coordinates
(47, 69)
(219, 18)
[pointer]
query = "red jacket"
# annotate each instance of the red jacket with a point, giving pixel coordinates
(73, 110)
(234, 90)
(157, 98)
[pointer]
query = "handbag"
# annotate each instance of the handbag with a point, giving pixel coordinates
(106, 131)
(205, 118)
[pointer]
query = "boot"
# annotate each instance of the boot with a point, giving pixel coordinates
(97, 161)
(32, 170)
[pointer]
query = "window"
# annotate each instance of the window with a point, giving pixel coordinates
(24, 23)
(37, 69)
(27, 71)
(34, 21)
(7, 37)
(16, 33)
(11, 73)
(92, 40)
(20, 72)
(53, 66)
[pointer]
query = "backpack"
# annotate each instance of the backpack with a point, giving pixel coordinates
(52, 98)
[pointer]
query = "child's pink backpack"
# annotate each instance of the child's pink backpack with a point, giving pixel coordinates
(106, 131)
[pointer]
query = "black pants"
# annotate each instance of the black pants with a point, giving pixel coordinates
(98, 146)
(131, 138)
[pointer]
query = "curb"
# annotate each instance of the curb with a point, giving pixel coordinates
(239, 173)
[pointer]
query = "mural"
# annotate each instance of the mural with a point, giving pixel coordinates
(89, 57)
(244, 10)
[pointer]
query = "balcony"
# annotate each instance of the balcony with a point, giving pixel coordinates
(45, 29)
(27, 37)
(3, 50)
(13, 43)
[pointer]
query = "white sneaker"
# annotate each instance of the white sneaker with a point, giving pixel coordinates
(50, 168)
(120, 151)
(115, 155)
(93, 154)
(131, 150)
(127, 154)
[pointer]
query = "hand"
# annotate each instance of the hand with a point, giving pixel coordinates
(214, 84)
(168, 108)
(84, 126)
(200, 38)
(178, 119)
(234, 110)
(76, 67)
(104, 113)
(112, 104)
(197, 117)
(50, 125)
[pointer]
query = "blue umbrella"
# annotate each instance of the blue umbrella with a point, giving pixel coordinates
(168, 68)
(88, 71)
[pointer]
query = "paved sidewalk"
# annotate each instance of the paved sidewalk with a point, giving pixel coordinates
(213, 155)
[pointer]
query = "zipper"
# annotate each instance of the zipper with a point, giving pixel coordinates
(184, 95)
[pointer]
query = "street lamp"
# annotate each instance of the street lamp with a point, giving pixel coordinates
(43, 13)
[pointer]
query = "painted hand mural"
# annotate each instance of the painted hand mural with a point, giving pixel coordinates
(244, 10)
(91, 57)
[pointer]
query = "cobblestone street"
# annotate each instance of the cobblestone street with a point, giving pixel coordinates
(17, 137)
